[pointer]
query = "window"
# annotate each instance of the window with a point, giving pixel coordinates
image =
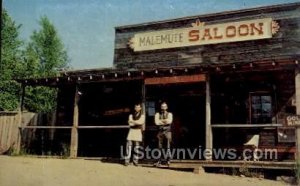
(261, 108)
(150, 108)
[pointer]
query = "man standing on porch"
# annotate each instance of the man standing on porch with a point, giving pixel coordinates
(136, 121)
(164, 120)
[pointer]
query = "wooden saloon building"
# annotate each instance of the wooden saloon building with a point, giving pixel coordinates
(226, 77)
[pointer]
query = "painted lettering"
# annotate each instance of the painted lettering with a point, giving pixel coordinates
(230, 31)
(243, 30)
(216, 36)
(194, 35)
(206, 34)
(259, 29)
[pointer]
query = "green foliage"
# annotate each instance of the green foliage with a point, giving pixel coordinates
(22, 152)
(10, 48)
(46, 50)
(9, 95)
(65, 151)
(297, 172)
(11, 63)
(43, 56)
(40, 99)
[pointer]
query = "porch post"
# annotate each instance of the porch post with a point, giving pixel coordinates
(208, 129)
(144, 98)
(74, 132)
(297, 97)
(144, 110)
(19, 130)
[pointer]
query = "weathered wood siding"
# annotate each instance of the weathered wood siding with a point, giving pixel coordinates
(285, 90)
(8, 130)
(286, 43)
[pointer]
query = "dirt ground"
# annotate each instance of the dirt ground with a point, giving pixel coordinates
(28, 171)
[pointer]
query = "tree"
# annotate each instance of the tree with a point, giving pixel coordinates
(49, 49)
(45, 55)
(11, 62)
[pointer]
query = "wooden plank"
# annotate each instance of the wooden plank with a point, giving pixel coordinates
(175, 79)
(144, 105)
(19, 120)
(46, 127)
(3, 132)
(52, 123)
(8, 112)
(23, 86)
(9, 132)
(1, 127)
(237, 164)
(245, 125)
(104, 127)
(6, 128)
(15, 131)
(235, 161)
(138, 42)
(74, 132)
(79, 127)
(208, 128)
(297, 96)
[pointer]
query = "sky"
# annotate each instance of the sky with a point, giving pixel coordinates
(86, 27)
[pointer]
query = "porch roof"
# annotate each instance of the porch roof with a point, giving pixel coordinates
(125, 74)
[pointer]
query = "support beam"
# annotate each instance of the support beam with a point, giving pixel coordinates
(144, 99)
(21, 104)
(74, 134)
(297, 97)
(208, 128)
(23, 87)
(144, 108)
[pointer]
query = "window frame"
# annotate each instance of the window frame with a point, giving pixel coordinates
(261, 114)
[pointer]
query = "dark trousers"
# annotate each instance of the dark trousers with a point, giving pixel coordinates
(162, 137)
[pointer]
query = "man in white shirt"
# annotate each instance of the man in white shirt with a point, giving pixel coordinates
(136, 122)
(164, 121)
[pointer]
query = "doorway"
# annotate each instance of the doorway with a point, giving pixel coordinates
(187, 103)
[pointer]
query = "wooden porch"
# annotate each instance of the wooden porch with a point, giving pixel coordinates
(192, 164)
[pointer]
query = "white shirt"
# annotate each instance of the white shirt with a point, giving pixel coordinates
(135, 134)
(159, 121)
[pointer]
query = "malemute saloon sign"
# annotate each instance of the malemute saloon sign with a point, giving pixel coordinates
(201, 34)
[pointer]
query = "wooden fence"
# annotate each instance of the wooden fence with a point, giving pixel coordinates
(10, 128)
(9, 131)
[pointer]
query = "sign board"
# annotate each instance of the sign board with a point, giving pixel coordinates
(175, 79)
(293, 120)
(202, 34)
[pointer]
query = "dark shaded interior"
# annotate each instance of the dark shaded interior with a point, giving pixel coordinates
(105, 104)
(233, 103)
(187, 103)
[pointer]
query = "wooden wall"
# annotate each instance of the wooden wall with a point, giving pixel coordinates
(10, 132)
(284, 43)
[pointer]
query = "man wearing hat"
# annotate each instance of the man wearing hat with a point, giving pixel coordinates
(136, 123)
(164, 120)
